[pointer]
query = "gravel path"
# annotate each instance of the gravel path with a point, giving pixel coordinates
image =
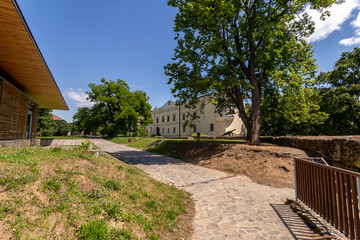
(227, 207)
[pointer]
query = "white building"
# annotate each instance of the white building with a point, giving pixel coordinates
(169, 120)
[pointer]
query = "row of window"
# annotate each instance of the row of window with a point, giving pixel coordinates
(173, 117)
(174, 129)
(184, 129)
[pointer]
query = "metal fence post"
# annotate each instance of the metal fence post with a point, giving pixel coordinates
(296, 195)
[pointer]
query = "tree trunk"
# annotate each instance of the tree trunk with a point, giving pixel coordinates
(254, 131)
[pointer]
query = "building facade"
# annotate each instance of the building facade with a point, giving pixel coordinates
(169, 121)
(26, 83)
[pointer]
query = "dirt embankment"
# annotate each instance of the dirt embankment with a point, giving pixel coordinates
(269, 164)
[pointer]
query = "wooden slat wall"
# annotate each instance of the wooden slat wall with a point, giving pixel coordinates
(14, 108)
(35, 120)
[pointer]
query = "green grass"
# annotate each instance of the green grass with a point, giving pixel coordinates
(61, 137)
(137, 142)
(69, 194)
(143, 142)
(174, 148)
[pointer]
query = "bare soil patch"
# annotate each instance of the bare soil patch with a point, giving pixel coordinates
(268, 164)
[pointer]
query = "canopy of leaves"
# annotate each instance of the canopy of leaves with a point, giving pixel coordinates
(230, 49)
(339, 92)
(116, 110)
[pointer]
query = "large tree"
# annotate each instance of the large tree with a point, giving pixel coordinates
(116, 109)
(339, 93)
(232, 49)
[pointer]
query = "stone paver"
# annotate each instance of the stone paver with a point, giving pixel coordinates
(227, 207)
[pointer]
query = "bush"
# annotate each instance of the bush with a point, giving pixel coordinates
(201, 135)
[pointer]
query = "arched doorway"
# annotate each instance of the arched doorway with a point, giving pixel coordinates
(157, 131)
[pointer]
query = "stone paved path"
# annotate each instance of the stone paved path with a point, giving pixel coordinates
(227, 207)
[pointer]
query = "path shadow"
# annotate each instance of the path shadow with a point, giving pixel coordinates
(145, 158)
(296, 226)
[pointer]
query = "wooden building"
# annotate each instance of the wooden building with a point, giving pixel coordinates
(26, 83)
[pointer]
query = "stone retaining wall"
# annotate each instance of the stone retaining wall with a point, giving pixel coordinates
(60, 142)
(20, 143)
(40, 142)
(338, 151)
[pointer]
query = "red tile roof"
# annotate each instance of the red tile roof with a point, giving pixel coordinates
(56, 118)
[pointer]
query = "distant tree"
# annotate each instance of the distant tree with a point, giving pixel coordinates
(62, 128)
(339, 92)
(295, 112)
(116, 109)
(46, 125)
(230, 49)
(85, 121)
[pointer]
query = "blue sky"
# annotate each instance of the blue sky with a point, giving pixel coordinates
(85, 40)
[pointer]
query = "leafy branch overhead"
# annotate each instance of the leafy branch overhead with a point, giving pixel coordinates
(231, 50)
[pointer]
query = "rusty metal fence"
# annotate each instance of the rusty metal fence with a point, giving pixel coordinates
(333, 193)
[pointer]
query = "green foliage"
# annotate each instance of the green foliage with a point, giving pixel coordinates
(116, 110)
(339, 92)
(291, 112)
(46, 125)
(120, 234)
(51, 184)
(94, 230)
(201, 135)
(112, 184)
(231, 50)
(112, 209)
(85, 145)
(62, 128)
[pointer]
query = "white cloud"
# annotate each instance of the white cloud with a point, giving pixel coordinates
(339, 14)
(78, 96)
(355, 39)
(350, 41)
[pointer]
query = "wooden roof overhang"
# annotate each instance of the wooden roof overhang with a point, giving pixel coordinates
(21, 61)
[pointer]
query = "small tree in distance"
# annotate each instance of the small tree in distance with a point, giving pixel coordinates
(116, 110)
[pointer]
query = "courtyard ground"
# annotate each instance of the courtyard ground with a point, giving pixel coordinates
(228, 206)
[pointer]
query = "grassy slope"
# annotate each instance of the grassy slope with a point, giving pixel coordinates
(67, 194)
(143, 142)
(171, 147)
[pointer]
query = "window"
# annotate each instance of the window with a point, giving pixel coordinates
(174, 130)
(157, 120)
(168, 130)
(163, 119)
(183, 116)
(163, 130)
(194, 129)
(184, 129)
(168, 118)
(211, 127)
(174, 117)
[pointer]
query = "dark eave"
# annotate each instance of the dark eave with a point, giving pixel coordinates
(21, 61)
